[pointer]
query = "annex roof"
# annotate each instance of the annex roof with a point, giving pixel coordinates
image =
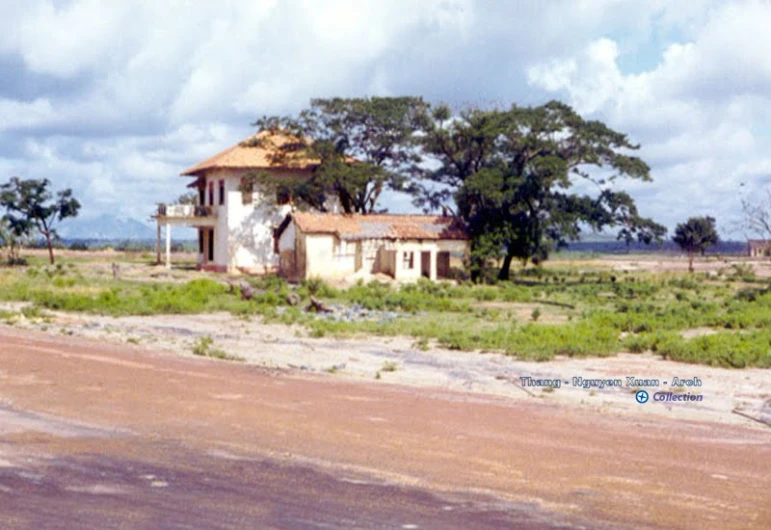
(380, 226)
(246, 156)
(761, 244)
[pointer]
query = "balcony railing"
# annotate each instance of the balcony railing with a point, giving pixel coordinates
(186, 210)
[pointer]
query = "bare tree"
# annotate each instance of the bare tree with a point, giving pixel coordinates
(757, 215)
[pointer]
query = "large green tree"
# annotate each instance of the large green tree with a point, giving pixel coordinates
(697, 234)
(30, 205)
(513, 173)
(363, 145)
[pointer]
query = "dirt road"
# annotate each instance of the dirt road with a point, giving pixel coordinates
(105, 436)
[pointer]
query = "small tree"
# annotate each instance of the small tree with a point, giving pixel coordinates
(696, 235)
(190, 197)
(10, 242)
(30, 204)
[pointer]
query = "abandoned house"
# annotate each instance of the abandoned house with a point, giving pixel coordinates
(242, 229)
(759, 248)
(336, 246)
(234, 220)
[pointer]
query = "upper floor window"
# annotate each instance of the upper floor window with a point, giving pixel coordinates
(222, 192)
(283, 195)
(246, 187)
(211, 193)
(408, 261)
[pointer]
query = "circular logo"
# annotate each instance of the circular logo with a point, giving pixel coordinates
(641, 396)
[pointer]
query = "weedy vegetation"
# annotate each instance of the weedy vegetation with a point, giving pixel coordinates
(538, 314)
(203, 348)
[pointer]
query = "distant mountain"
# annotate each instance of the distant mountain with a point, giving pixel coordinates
(105, 226)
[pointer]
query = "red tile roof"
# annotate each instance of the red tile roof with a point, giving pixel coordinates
(246, 156)
(380, 226)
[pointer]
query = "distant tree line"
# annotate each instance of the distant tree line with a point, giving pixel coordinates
(512, 176)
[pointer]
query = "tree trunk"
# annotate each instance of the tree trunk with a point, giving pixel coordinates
(50, 247)
(503, 274)
(690, 262)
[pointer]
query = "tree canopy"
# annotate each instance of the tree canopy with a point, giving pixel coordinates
(524, 180)
(512, 173)
(696, 235)
(30, 204)
(364, 145)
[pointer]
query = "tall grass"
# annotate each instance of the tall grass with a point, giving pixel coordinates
(595, 309)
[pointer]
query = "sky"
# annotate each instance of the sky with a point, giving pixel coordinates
(115, 99)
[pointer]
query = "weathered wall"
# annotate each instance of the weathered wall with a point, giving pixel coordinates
(386, 262)
(305, 256)
(319, 256)
(244, 232)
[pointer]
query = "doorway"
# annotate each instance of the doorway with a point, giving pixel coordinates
(359, 258)
(443, 264)
(425, 264)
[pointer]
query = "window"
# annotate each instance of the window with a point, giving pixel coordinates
(222, 192)
(211, 193)
(283, 195)
(408, 261)
(247, 190)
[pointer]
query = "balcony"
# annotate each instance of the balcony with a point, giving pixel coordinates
(187, 214)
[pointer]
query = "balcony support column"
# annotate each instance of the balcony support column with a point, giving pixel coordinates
(168, 245)
(158, 243)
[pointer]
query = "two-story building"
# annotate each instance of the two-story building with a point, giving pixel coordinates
(241, 229)
(235, 221)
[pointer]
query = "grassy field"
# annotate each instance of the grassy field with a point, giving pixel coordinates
(721, 319)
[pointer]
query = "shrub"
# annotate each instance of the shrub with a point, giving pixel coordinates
(78, 245)
(203, 348)
(389, 366)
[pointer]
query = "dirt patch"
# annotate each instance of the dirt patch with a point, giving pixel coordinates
(573, 463)
(400, 360)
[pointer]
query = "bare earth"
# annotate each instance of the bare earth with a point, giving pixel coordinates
(101, 435)
(113, 423)
(277, 346)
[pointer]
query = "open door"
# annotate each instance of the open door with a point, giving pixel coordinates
(425, 264)
(443, 265)
(211, 247)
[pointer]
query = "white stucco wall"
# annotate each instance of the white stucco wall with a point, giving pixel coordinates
(320, 259)
(286, 241)
(244, 232)
(326, 256)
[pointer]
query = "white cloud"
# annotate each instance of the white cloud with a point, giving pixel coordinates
(116, 98)
(701, 113)
(20, 114)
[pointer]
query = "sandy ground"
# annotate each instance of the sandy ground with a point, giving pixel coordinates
(99, 435)
(659, 263)
(289, 348)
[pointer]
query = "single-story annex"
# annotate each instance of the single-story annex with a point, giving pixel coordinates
(336, 246)
(759, 248)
